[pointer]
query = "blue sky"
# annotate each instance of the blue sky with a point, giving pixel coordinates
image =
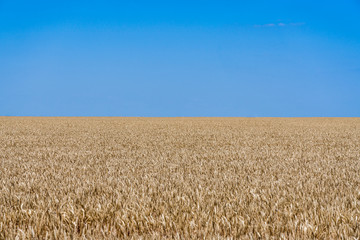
(180, 58)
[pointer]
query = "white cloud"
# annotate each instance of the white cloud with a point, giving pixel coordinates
(280, 24)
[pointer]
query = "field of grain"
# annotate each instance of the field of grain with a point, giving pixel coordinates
(180, 178)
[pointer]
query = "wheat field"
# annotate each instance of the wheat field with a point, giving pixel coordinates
(179, 178)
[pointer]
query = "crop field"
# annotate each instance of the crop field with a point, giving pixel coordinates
(179, 178)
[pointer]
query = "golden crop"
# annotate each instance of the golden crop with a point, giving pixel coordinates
(241, 178)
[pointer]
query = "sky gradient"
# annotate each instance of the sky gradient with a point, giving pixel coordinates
(183, 58)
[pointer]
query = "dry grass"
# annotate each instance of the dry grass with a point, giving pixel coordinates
(179, 178)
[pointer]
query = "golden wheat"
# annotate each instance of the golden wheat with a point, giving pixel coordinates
(241, 178)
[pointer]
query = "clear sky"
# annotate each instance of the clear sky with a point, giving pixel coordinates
(180, 58)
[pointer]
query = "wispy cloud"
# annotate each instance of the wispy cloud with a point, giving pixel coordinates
(281, 24)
